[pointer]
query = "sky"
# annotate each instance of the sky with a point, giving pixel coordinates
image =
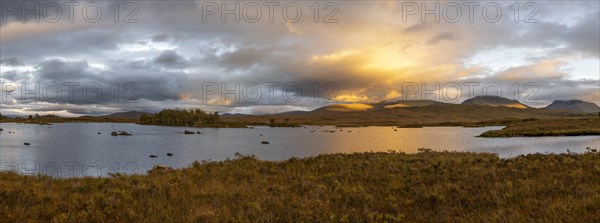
(268, 57)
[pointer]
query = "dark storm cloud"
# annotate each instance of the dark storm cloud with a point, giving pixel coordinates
(74, 43)
(12, 76)
(443, 36)
(542, 34)
(12, 61)
(59, 70)
(585, 35)
(75, 82)
(170, 59)
(244, 57)
(160, 37)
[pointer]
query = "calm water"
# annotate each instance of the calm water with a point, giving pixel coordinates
(75, 149)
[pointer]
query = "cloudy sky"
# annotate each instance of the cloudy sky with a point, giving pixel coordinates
(166, 54)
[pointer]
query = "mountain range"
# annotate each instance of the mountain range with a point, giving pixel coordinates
(493, 101)
(426, 112)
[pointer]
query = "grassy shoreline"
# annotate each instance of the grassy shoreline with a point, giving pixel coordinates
(422, 187)
(556, 127)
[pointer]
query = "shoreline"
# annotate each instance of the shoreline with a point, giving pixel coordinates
(587, 126)
(161, 167)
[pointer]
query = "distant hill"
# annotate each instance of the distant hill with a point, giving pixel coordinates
(375, 106)
(344, 108)
(406, 104)
(129, 114)
(294, 113)
(231, 114)
(574, 105)
(494, 101)
(244, 115)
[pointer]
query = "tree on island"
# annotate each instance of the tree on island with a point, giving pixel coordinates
(186, 117)
(286, 123)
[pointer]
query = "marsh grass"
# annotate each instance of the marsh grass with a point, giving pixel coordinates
(393, 187)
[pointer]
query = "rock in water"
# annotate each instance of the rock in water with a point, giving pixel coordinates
(124, 133)
(27, 144)
(265, 142)
(153, 156)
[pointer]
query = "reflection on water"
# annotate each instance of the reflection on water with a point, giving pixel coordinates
(76, 149)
